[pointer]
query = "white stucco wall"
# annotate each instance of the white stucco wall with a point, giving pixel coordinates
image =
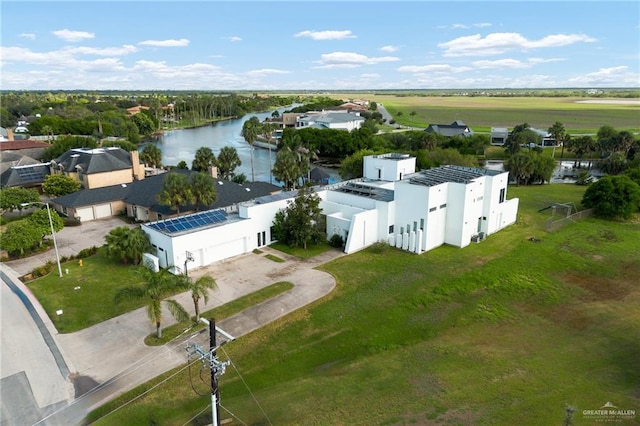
(387, 168)
(363, 231)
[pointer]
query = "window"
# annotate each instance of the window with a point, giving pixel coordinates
(480, 198)
(415, 226)
(422, 224)
(432, 209)
(442, 206)
(391, 229)
(502, 194)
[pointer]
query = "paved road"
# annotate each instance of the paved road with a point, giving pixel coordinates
(110, 358)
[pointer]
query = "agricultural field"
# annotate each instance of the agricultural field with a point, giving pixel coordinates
(514, 330)
(482, 113)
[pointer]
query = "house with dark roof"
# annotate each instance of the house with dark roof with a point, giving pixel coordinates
(457, 128)
(99, 167)
(21, 170)
(138, 199)
(392, 203)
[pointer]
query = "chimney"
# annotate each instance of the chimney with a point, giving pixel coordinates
(10, 134)
(213, 171)
(137, 169)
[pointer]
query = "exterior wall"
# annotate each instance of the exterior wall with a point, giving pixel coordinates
(362, 232)
(261, 220)
(436, 217)
(137, 170)
(380, 167)
(99, 180)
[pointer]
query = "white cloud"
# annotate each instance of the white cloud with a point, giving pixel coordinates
(234, 38)
(72, 36)
(28, 35)
(432, 68)
(482, 25)
(389, 48)
(351, 60)
(502, 64)
(265, 72)
(498, 43)
(166, 43)
(105, 51)
(464, 26)
(326, 35)
(613, 77)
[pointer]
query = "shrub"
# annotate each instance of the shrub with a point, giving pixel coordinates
(87, 252)
(336, 241)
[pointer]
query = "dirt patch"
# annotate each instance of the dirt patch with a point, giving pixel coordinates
(571, 316)
(599, 288)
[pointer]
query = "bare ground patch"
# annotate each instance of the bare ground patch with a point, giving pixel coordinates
(599, 288)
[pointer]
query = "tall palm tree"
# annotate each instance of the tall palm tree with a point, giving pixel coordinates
(267, 131)
(200, 290)
(558, 132)
(250, 131)
(287, 168)
(157, 286)
(227, 162)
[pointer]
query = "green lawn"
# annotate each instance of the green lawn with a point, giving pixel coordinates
(221, 312)
(508, 331)
(85, 294)
(312, 250)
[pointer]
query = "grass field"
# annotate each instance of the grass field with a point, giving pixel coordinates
(86, 293)
(482, 113)
(508, 331)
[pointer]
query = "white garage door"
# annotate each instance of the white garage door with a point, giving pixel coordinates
(84, 214)
(103, 210)
(224, 251)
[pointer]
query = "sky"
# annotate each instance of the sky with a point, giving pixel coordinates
(318, 45)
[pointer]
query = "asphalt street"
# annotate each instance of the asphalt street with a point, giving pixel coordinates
(110, 358)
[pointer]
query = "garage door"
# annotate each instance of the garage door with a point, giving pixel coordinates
(84, 214)
(224, 251)
(103, 210)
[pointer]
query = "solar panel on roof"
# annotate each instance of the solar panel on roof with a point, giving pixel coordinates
(197, 220)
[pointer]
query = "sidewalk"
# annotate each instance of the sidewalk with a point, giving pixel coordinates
(114, 355)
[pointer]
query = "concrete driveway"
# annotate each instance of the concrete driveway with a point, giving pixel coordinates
(111, 357)
(70, 240)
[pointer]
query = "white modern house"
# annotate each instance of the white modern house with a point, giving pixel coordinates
(330, 120)
(392, 203)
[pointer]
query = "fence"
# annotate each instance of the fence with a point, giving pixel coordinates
(554, 225)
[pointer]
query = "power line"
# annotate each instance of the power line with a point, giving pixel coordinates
(122, 374)
(247, 386)
(233, 415)
(199, 412)
(145, 392)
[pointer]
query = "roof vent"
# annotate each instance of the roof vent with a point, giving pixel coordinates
(219, 182)
(247, 189)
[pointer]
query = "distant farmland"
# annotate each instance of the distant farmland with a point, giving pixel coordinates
(482, 113)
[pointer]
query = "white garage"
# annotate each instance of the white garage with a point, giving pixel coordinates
(84, 214)
(102, 211)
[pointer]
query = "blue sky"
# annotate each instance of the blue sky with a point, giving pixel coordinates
(318, 45)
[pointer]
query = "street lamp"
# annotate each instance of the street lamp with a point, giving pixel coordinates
(53, 232)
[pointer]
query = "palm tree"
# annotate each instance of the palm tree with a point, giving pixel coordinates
(267, 131)
(558, 132)
(250, 130)
(203, 189)
(521, 166)
(176, 192)
(200, 289)
(287, 168)
(203, 159)
(157, 286)
(227, 162)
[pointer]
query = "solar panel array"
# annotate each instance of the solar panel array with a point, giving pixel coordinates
(186, 223)
(380, 194)
(445, 174)
(33, 174)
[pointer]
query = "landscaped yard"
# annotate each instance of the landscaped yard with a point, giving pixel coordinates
(510, 331)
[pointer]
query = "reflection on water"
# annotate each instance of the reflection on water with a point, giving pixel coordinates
(178, 145)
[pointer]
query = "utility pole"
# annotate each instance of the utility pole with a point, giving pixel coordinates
(217, 367)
